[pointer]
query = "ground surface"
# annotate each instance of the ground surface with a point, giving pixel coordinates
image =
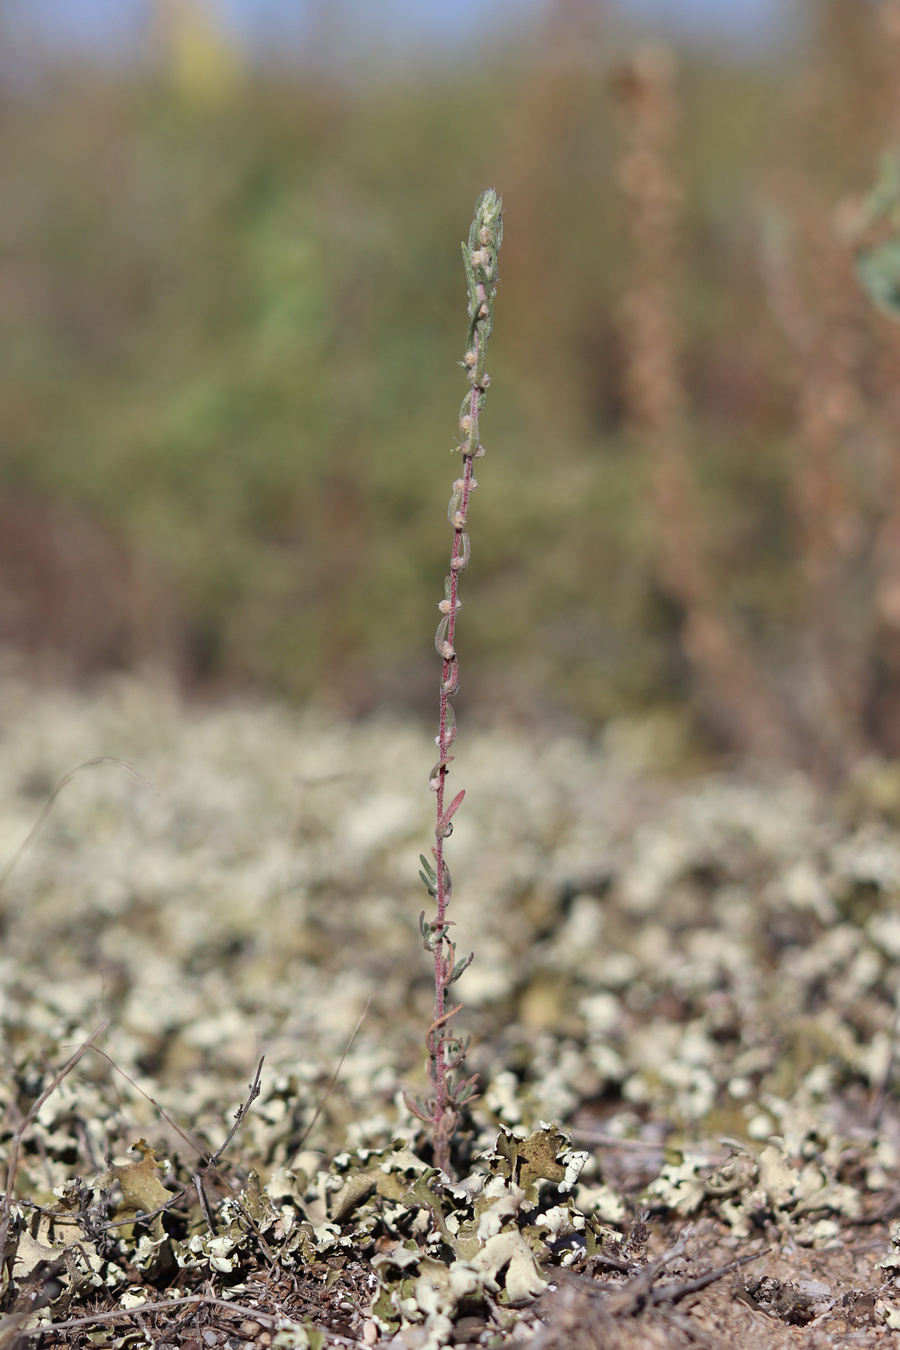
(696, 976)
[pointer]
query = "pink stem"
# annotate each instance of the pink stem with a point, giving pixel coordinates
(443, 967)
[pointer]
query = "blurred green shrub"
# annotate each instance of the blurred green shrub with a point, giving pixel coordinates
(213, 313)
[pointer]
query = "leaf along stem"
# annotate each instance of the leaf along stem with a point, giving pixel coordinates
(445, 1052)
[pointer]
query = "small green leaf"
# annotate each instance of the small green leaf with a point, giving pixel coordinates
(467, 1092)
(879, 272)
(884, 199)
(418, 1108)
(470, 275)
(462, 964)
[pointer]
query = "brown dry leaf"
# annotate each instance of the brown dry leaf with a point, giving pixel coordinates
(142, 1189)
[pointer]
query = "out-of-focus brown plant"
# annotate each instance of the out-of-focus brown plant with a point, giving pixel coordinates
(823, 324)
(656, 402)
(883, 709)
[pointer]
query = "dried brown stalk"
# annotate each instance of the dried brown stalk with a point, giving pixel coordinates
(821, 322)
(656, 403)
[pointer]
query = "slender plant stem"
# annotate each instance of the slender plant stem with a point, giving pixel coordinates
(445, 1052)
(448, 675)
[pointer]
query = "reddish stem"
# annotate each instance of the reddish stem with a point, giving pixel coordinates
(443, 968)
(445, 1052)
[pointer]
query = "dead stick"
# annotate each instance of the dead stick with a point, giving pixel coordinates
(254, 1091)
(152, 1305)
(21, 1129)
(673, 1293)
(334, 1077)
(48, 804)
(210, 1161)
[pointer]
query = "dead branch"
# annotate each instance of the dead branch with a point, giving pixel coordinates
(254, 1090)
(673, 1293)
(21, 1130)
(334, 1078)
(152, 1305)
(48, 804)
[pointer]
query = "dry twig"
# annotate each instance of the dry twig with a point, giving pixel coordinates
(22, 1129)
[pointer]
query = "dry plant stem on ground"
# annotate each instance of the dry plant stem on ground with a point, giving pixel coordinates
(446, 1052)
(20, 1132)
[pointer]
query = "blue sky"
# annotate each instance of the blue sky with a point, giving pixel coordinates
(437, 19)
(401, 23)
(744, 20)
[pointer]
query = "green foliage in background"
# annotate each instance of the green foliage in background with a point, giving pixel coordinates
(228, 333)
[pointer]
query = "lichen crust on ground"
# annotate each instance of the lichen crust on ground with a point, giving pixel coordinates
(683, 1009)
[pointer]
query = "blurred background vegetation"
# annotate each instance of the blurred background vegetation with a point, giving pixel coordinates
(231, 304)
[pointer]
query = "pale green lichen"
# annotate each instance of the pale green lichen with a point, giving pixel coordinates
(743, 984)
